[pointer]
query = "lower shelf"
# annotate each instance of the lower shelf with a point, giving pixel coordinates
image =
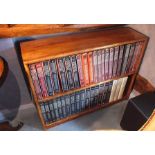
(74, 116)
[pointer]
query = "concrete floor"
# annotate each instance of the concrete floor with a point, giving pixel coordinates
(106, 119)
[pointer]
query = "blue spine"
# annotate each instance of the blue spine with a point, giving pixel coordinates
(82, 99)
(62, 72)
(92, 98)
(55, 105)
(75, 72)
(96, 96)
(87, 97)
(60, 111)
(48, 78)
(44, 113)
(55, 76)
(64, 108)
(101, 93)
(77, 99)
(48, 112)
(72, 100)
(105, 97)
(67, 99)
(68, 66)
(52, 111)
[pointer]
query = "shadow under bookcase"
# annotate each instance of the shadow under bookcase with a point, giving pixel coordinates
(106, 77)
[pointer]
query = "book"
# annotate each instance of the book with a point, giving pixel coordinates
(75, 72)
(136, 56)
(80, 70)
(41, 77)
(49, 117)
(103, 65)
(72, 100)
(88, 98)
(108, 91)
(62, 73)
(52, 111)
(99, 65)
(68, 105)
(54, 72)
(101, 93)
(48, 78)
(82, 100)
(113, 91)
(77, 100)
(96, 95)
(118, 86)
(55, 105)
(35, 81)
(64, 108)
(130, 58)
(111, 59)
(85, 68)
(124, 81)
(125, 58)
(92, 96)
(60, 110)
(90, 67)
(115, 63)
(106, 63)
(95, 66)
(120, 60)
(43, 112)
(69, 73)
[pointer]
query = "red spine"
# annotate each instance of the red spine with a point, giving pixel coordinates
(40, 71)
(90, 66)
(115, 63)
(35, 81)
(99, 64)
(95, 66)
(85, 68)
(111, 62)
(80, 70)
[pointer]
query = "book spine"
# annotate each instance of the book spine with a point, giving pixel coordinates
(106, 93)
(52, 111)
(68, 105)
(77, 99)
(111, 58)
(92, 96)
(49, 117)
(43, 113)
(101, 93)
(82, 99)
(55, 78)
(113, 91)
(120, 60)
(64, 108)
(130, 57)
(99, 64)
(136, 56)
(103, 65)
(69, 73)
(80, 70)
(62, 73)
(107, 64)
(48, 78)
(35, 80)
(123, 84)
(118, 86)
(60, 110)
(75, 72)
(72, 100)
(55, 105)
(96, 95)
(115, 63)
(125, 58)
(95, 66)
(85, 68)
(90, 66)
(88, 98)
(39, 67)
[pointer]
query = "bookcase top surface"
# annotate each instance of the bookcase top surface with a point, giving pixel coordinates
(59, 46)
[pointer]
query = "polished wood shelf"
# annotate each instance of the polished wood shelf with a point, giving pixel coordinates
(82, 88)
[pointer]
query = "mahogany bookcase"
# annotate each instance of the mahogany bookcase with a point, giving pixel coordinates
(61, 46)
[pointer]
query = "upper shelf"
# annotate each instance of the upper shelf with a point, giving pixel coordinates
(44, 49)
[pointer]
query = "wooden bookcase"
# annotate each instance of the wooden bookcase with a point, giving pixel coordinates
(61, 46)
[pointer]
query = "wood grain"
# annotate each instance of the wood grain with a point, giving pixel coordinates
(44, 49)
